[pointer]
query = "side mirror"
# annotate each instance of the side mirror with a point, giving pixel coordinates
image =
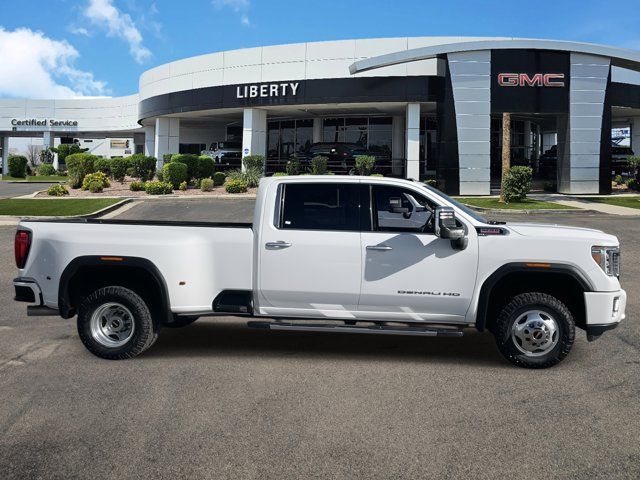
(395, 206)
(447, 227)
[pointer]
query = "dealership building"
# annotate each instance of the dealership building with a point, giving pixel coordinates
(428, 107)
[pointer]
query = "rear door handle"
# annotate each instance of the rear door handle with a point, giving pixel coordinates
(279, 245)
(379, 248)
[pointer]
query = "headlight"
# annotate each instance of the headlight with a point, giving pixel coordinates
(608, 258)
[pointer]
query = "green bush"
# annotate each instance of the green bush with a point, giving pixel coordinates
(166, 158)
(95, 182)
(280, 174)
(46, 170)
(119, 168)
(254, 162)
(365, 164)
(102, 165)
(196, 182)
(516, 184)
(431, 182)
(67, 149)
(634, 165)
(175, 173)
(618, 180)
(136, 186)
(219, 178)
(319, 165)
(250, 176)
(632, 184)
(236, 186)
(18, 166)
(550, 187)
(158, 188)
(206, 166)
(79, 165)
(183, 186)
(376, 175)
(191, 161)
(57, 190)
(143, 167)
(293, 165)
(206, 184)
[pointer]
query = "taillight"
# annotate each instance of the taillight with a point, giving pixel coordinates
(21, 247)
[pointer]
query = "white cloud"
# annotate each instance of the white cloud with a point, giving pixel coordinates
(79, 31)
(103, 14)
(238, 6)
(35, 66)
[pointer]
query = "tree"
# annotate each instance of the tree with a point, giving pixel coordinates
(66, 149)
(33, 155)
(506, 150)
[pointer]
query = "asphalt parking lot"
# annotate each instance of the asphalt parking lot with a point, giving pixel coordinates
(219, 400)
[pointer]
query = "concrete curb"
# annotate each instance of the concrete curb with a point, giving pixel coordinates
(12, 220)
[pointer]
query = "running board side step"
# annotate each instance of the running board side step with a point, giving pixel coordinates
(373, 329)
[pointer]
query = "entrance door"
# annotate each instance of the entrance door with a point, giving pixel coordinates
(310, 262)
(409, 273)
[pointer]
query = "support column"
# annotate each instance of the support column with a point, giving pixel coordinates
(635, 135)
(5, 155)
(254, 132)
(317, 130)
(397, 145)
(413, 141)
(167, 138)
(149, 141)
(527, 140)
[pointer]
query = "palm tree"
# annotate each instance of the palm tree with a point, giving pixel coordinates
(506, 150)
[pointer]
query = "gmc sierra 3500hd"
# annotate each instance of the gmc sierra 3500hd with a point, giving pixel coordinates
(328, 254)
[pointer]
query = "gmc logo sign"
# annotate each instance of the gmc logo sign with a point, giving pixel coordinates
(535, 80)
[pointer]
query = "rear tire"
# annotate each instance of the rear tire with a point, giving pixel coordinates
(535, 330)
(115, 323)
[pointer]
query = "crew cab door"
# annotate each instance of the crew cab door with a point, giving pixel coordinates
(310, 262)
(408, 272)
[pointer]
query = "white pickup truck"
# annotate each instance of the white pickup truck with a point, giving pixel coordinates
(328, 254)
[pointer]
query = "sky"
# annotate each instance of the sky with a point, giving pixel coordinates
(67, 49)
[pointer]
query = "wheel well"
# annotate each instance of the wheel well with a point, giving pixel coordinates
(80, 280)
(562, 285)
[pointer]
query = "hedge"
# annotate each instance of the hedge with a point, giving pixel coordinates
(219, 178)
(158, 188)
(144, 167)
(79, 165)
(46, 169)
(119, 168)
(256, 162)
(206, 166)
(175, 173)
(18, 166)
(102, 165)
(191, 161)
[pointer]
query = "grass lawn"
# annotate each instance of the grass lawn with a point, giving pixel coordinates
(631, 202)
(37, 178)
(27, 207)
(528, 204)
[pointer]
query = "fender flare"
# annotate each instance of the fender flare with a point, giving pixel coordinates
(64, 302)
(509, 268)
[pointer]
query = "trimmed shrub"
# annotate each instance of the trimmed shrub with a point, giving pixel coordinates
(431, 182)
(166, 158)
(102, 165)
(516, 184)
(143, 167)
(18, 166)
(254, 162)
(236, 186)
(183, 186)
(365, 164)
(376, 175)
(79, 165)
(66, 149)
(206, 184)
(319, 165)
(219, 178)
(293, 165)
(57, 190)
(632, 184)
(119, 168)
(175, 173)
(158, 188)
(634, 166)
(191, 161)
(280, 174)
(136, 186)
(196, 182)
(618, 180)
(95, 182)
(46, 170)
(206, 166)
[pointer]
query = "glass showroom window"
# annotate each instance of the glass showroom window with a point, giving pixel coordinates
(373, 133)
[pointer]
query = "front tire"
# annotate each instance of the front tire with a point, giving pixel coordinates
(535, 330)
(115, 323)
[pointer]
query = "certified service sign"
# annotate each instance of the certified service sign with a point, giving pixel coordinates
(43, 123)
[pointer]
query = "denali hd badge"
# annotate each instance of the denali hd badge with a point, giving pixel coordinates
(426, 292)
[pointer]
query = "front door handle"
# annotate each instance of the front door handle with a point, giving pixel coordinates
(279, 245)
(379, 248)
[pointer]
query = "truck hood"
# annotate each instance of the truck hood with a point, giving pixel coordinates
(598, 237)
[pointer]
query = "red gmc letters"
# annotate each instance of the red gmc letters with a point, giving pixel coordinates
(535, 80)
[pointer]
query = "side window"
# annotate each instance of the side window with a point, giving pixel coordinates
(321, 206)
(401, 210)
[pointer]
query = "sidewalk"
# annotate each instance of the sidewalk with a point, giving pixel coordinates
(583, 203)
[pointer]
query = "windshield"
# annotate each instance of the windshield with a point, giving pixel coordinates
(472, 213)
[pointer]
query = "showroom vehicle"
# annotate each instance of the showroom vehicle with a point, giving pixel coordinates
(341, 156)
(328, 254)
(620, 159)
(225, 153)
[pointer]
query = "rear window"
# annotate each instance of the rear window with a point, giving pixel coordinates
(320, 206)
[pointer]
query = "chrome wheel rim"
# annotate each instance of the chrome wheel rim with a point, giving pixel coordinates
(535, 333)
(112, 325)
